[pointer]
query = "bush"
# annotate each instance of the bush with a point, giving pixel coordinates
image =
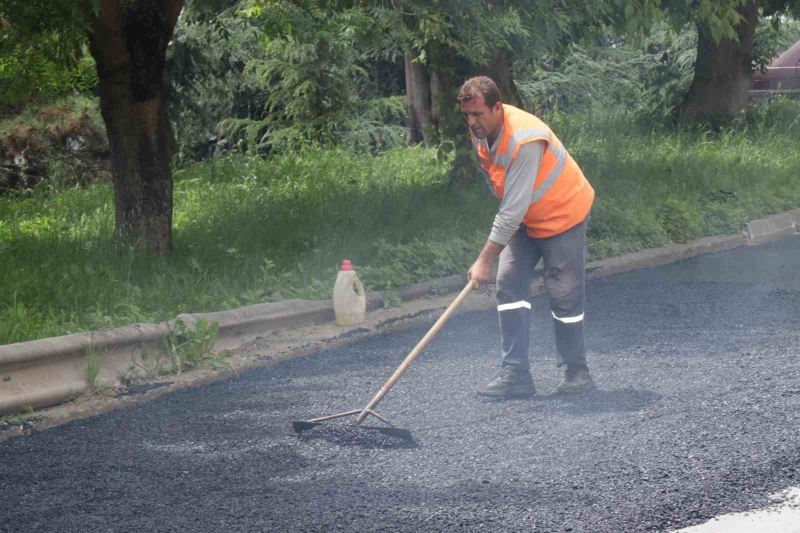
(33, 71)
(208, 82)
(273, 85)
(648, 76)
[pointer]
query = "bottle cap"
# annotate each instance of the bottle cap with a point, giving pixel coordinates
(347, 266)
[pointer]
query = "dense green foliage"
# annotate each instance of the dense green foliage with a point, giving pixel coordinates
(43, 50)
(649, 75)
(773, 36)
(27, 72)
(209, 83)
(300, 75)
(283, 73)
(250, 230)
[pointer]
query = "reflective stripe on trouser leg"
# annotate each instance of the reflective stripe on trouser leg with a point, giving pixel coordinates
(514, 336)
(514, 275)
(564, 281)
(569, 343)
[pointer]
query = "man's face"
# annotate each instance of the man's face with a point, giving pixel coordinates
(483, 121)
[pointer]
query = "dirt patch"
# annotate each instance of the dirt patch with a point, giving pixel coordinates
(61, 142)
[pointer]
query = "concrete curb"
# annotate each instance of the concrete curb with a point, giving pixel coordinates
(772, 227)
(45, 372)
(662, 256)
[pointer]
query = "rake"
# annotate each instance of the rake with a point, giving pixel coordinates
(361, 414)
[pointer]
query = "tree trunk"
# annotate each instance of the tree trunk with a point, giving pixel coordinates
(128, 41)
(436, 98)
(500, 70)
(448, 73)
(722, 73)
(431, 99)
(418, 101)
(446, 80)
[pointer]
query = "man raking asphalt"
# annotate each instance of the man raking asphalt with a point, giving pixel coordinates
(544, 207)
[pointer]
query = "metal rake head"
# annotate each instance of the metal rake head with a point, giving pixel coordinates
(399, 433)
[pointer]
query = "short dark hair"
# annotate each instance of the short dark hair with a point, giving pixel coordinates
(479, 85)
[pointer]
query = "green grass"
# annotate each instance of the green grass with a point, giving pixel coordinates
(249, 230)
(667, 186)
(246, 230)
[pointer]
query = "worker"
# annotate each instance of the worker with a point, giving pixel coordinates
(544, 208)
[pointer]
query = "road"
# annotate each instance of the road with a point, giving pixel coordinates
(697, 414)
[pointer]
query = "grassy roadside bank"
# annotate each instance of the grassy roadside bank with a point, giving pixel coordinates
(249, 230)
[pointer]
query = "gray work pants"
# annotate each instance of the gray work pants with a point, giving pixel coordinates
(564, 283)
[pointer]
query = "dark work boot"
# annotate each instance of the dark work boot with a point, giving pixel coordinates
(509, 383)
(576, 379)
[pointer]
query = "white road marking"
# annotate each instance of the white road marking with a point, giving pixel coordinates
(781, 517)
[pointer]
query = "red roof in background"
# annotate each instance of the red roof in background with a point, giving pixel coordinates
(783, 72)
(790, 58)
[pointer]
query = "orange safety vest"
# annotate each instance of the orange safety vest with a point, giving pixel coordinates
(562, 196)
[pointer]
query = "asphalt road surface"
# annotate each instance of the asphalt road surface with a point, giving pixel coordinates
(697, 413)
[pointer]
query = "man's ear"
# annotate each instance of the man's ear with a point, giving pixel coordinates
(498, 106)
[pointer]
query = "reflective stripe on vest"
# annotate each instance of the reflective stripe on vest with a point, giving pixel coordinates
(571, 195)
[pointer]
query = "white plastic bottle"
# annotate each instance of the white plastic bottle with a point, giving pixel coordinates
(349, 300)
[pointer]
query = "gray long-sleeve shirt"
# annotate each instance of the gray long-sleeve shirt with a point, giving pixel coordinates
(517, 191)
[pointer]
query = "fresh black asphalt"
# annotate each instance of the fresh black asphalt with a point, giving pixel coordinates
(697, 413)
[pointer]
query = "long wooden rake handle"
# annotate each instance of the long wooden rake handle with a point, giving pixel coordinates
(415, 352)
